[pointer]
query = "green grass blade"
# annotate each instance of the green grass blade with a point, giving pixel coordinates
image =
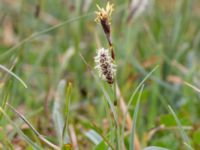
(192, 86)
(97, 138)
(135, 115)
(93, 136)
(57, 115)
(33, 129)
(34, 145)
(141, 83)
(132, 97)
(3, 105)
(67, 104)
(155, 148)
(14, 75)
(34, 35)
(183, 134)
(188, 146)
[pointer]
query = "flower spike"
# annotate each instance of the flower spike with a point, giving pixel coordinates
(105, 65)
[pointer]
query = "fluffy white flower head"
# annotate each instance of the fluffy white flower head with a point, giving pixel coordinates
(105, 65)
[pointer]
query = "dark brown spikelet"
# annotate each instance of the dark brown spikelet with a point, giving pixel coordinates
(106, 26)
(37, 11)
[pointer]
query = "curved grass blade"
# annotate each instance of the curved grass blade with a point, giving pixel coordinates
(183, 134)
(141, 83)
(188, 146)
(132, 97)
(33, 129)
(32, 36)
(155, 148)
(131, 140)
(192, 86)
(34, 145)
(93, 136)
(14, 75)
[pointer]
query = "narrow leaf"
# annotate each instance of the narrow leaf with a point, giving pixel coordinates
(19, 130)
(93, 136)
(14, 75)
(183, 134)
(132, 97)
(67, 104)
(131, 140)
(155, 148)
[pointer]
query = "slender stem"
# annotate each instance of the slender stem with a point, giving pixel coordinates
(118, 145)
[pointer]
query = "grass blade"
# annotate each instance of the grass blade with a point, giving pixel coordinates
(188, 146)
(93, 136)
(19, 130)
(141, 83)
(14, 75)
(155, 148)
(132, 97)
(183, 134)
(131, 140)
(67, 103)
(33, 129)
(57, 115)
(192, 86)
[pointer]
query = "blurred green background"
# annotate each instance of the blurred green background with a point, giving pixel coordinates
(41, 42)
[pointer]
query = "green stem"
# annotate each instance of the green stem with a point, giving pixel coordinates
(118, 146)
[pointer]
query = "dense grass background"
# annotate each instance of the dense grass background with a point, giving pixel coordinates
(41, 42)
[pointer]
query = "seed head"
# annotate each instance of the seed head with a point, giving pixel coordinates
(104, 17)
(104, 14)
(105, 65)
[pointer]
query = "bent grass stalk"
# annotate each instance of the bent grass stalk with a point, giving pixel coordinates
(26, 138)
(182, 132)
(33, 129)
(14, 75)
(192, 86)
